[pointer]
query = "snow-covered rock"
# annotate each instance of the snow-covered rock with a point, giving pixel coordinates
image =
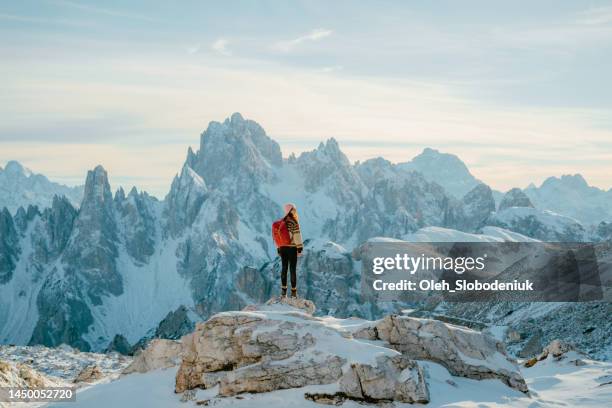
(277, 346)
(464, 352)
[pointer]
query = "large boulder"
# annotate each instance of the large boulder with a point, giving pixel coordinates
(464, 352)
(232, 340)
(394, 378)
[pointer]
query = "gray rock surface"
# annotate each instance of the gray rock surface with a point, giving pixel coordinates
(464, 352)
(391, 379)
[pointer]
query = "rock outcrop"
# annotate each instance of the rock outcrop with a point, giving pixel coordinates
(555, 349)
(464, 352)
(230, 341)
(280, 345)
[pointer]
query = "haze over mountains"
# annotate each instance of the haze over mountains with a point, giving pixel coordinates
(108, 269)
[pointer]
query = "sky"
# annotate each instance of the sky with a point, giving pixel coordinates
(519, 90)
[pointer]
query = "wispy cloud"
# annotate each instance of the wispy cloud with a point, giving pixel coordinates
(333, 68)
(99, 10)
(314, 35)
(220, 46)
(193, 49)
(42, 20)
(596, 16)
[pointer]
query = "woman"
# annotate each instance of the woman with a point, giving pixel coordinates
(290, 252)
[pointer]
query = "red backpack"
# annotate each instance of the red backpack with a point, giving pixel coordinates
(280, 233)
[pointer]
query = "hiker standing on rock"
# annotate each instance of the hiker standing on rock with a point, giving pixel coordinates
(288, 240)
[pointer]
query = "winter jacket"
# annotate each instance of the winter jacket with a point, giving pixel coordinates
(294, 232)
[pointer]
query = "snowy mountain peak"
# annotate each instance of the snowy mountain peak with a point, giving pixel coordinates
(330, 150)
(445, 169)
(237, 152)
(14, 168)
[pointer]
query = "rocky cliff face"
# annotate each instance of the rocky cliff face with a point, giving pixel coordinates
(92, 251)
(9, 246)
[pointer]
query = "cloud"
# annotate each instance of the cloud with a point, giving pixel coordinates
(193, 49)
(39, 20)
(314, 35)
(99, 10)
(220, 46)
(596, 16)
(333, 68)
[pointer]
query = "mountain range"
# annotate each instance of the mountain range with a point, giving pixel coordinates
(20, 187)
(113, 269)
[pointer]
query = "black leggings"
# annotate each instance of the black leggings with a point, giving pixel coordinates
(289, 260)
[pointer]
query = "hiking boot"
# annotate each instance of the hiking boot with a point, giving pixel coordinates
(294, 292)
(283, 291)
